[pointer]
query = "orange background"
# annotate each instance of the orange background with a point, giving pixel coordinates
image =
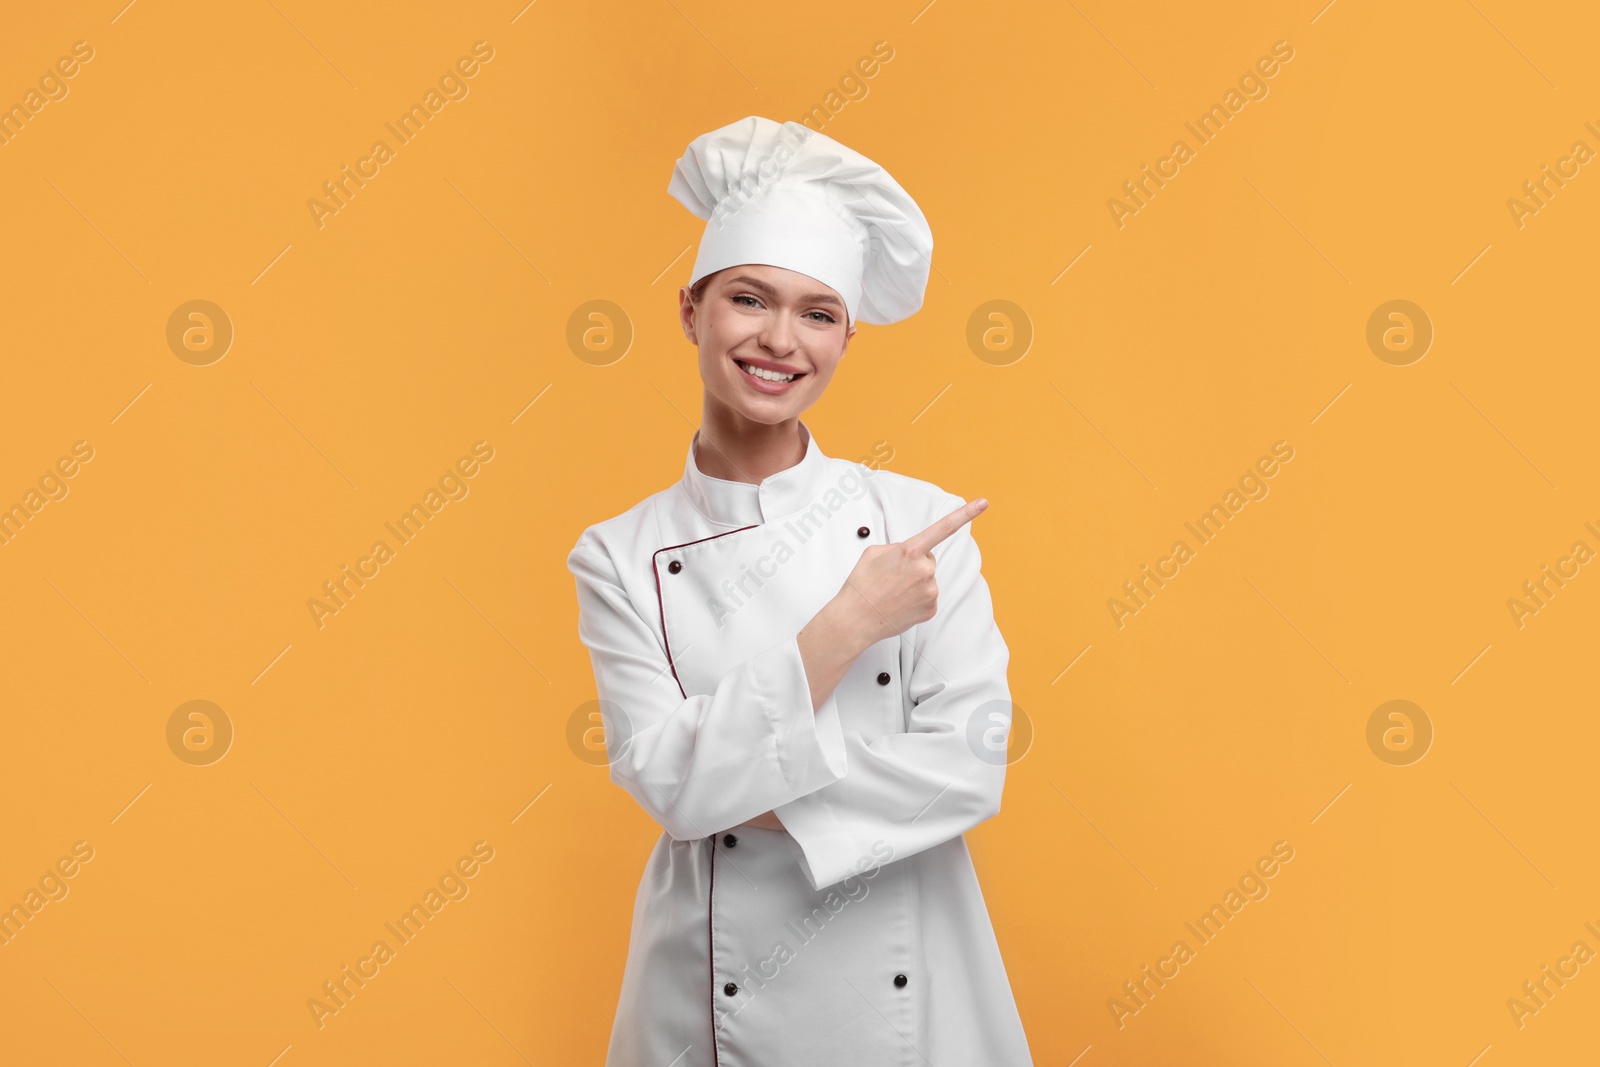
(432, 311)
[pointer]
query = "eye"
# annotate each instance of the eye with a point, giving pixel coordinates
(746, 296)
(826, 318)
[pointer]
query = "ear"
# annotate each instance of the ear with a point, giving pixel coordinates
(851, 332)
(686, 315)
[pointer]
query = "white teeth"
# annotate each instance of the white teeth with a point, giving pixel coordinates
(759, 372)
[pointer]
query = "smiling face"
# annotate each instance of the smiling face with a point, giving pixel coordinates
(768, 319)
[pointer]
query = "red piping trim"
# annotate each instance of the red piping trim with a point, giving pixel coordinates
(662, 604)
(711, 900)
(711, 938)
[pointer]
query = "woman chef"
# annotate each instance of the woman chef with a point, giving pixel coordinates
(784, 687)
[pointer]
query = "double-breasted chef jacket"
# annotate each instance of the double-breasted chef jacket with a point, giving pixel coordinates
(859, 935)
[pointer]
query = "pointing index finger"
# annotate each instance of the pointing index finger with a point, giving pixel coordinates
(943, 528)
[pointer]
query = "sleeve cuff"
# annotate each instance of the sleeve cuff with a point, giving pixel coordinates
(810, 744)
(828, 850)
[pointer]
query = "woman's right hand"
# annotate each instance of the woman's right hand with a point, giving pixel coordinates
(892, 587)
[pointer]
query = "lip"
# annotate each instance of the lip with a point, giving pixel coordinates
(769, 365)
(761, 385)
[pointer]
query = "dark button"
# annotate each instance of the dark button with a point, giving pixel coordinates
(730, 989)
(729, 840)
(899, 980)
(863, 532)
(675, 566)
(883, 678)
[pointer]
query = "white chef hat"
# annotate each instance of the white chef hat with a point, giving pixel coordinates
(785, 195)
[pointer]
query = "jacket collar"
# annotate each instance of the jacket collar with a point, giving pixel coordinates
(748, 504)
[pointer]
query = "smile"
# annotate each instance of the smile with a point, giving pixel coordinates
(764, 374)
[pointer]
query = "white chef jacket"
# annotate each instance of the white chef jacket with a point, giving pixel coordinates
(859, 936)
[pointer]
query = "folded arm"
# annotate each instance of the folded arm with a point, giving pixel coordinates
(703, 763)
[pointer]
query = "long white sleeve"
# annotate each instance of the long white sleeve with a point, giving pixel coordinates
(700, 764)
(913, 790)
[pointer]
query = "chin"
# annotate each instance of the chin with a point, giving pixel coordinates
(770, 414)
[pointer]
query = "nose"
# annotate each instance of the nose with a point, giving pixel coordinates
(777, 334)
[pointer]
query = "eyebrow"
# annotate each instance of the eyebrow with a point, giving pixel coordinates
(809, 298)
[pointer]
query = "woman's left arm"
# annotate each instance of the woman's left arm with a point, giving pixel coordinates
(906, 792)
